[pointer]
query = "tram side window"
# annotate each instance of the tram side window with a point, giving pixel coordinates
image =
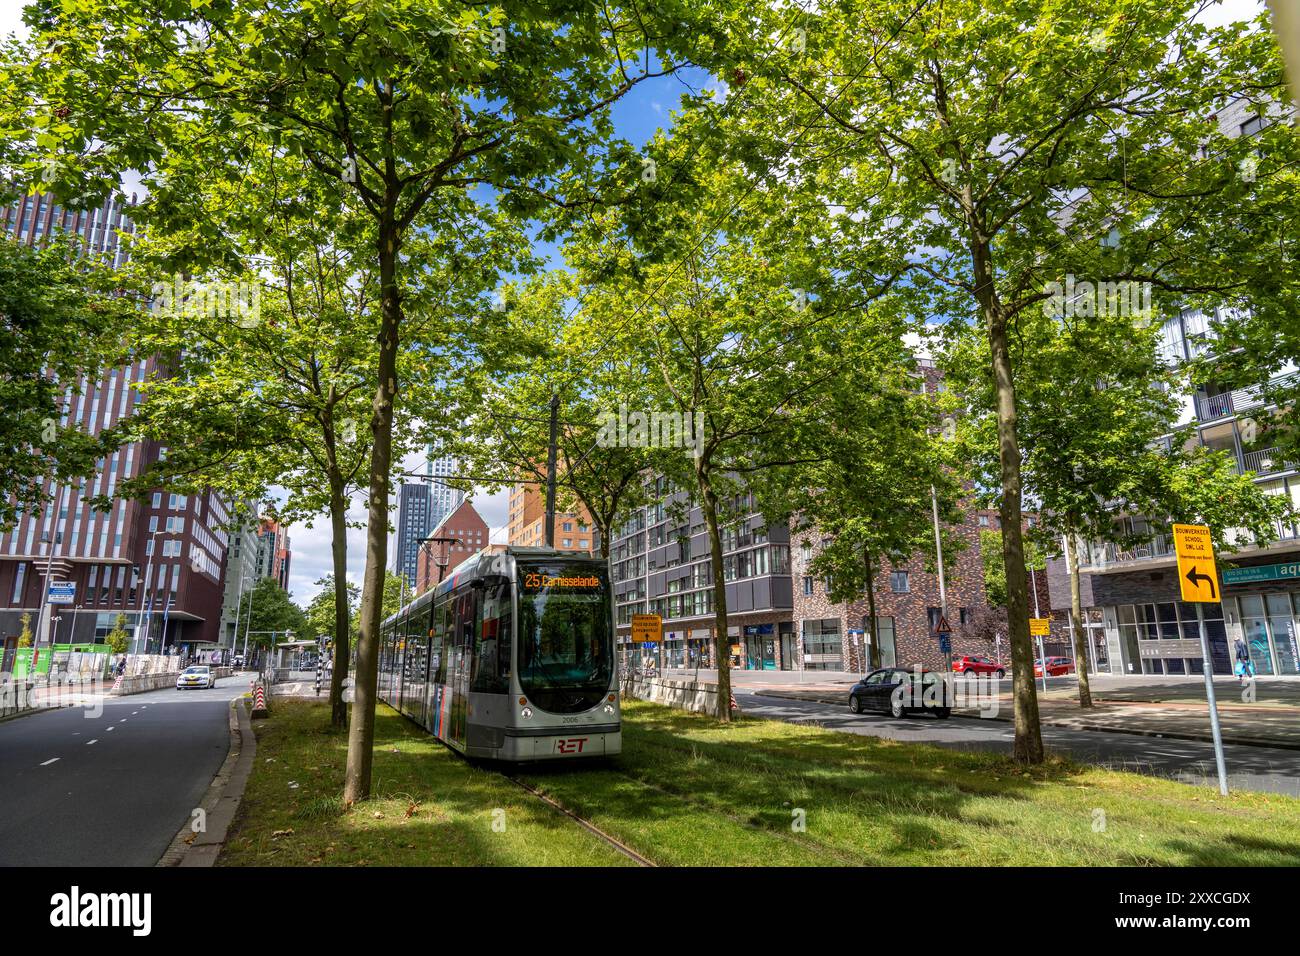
(492, 654)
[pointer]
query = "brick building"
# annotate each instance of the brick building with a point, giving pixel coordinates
(468, 534)
(526, 525)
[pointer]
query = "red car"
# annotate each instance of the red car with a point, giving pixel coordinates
(1056, 666)
(975, 666)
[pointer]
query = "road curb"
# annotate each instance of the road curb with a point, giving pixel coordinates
(221, 800)
(1101, 728)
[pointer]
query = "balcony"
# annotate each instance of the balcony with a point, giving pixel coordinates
(1227, 404)
(1099, 555)
(1211, 407)
(1265, 461)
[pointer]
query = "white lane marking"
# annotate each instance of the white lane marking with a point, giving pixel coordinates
(112, 728)
(134, 712)
(50, 761)
(89, 742)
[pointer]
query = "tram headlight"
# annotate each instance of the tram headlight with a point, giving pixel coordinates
(526, 713)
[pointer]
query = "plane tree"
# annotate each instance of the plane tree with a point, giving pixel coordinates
(991, 152)
(415, 106)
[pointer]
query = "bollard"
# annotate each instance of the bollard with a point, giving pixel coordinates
(259, 701)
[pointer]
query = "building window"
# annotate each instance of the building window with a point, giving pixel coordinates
(898, 582)
(822, 649)
(807, 586)
(984, 521)
(157, 499)
(886, 656)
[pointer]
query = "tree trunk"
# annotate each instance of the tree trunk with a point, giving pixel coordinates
(1028, 745)
(873, 649)
(722, 650)
(1080, 639)
(342, 615)
(361, 730)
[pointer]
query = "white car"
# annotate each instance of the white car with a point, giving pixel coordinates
(199, 675)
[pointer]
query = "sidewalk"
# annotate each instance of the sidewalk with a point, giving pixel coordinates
(1258, 725)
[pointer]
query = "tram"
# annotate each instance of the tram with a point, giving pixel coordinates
(511, 658)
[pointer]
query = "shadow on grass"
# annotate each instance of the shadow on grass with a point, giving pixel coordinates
(688, 789)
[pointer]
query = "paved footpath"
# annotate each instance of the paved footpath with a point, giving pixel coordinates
(111, 788)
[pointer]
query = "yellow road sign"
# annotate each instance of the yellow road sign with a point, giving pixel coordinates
(1198, 578)
(646, 627)
(1040, 626)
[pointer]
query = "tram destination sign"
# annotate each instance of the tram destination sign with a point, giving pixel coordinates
(1262, 572)
(539, 580)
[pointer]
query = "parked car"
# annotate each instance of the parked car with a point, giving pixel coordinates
(897, 691)
(1056, 666)
(237, 660)
(200, 675)
(975, 666)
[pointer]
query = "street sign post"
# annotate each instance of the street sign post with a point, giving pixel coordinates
(646, 628)
(1041, 627)
(1198, 581)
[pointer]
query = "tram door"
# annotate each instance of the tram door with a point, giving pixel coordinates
(459, 672)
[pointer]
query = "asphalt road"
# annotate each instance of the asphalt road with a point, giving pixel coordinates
(113, 789)
(1249, 768)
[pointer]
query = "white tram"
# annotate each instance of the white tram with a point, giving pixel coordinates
(511, 658)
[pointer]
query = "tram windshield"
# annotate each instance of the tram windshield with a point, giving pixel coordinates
(565, 640)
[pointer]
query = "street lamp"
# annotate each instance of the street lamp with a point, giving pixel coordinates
(443, 557)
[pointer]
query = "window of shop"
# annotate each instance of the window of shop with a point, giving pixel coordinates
(822, 650)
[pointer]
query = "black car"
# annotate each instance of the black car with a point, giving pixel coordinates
(899, 690)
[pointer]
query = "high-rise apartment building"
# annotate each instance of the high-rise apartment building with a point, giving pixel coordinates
(241, 577)
(1133, 613)
(158, 561)
(273, 553)
(420, 506)
(662, 566)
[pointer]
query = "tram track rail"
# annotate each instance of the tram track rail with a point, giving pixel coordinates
(582, 821)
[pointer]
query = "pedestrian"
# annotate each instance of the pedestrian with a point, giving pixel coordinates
(1244, 668)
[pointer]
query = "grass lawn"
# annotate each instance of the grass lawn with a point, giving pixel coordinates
(687, 790)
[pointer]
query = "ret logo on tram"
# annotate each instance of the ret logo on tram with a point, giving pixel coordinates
(511, 658)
